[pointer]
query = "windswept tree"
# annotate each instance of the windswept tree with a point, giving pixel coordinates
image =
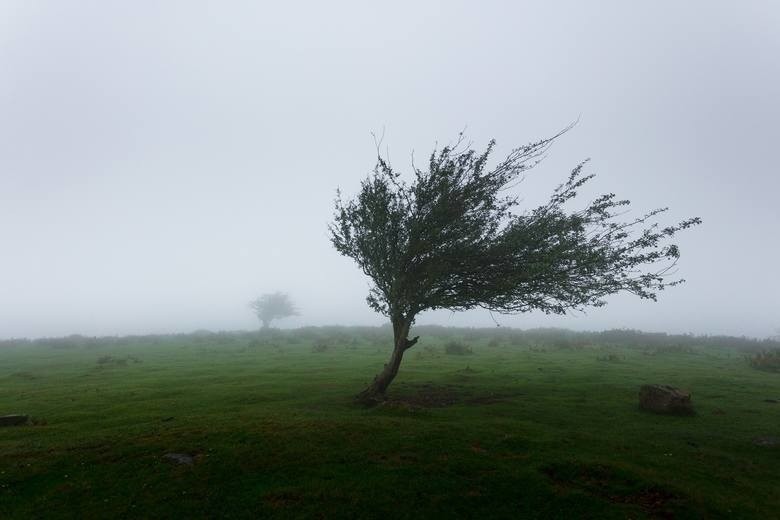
(273, 306)
(451, 238)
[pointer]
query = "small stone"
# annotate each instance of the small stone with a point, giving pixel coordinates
(12, 420)
(766, 441)
(180, 458)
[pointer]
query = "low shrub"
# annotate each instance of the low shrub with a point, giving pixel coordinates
(263, 343)
(455, 348)
(767, 360)
(111, 360)
(320, 346)
(674, 349)
(494, 343)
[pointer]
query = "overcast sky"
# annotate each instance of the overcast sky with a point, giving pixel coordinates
(162, 163)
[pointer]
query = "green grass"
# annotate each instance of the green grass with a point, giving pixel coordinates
(510, 431)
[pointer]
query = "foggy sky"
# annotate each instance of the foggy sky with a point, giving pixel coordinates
(163, 163)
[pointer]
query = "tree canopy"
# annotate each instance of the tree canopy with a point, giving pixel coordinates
(452, 238)
(272, 306)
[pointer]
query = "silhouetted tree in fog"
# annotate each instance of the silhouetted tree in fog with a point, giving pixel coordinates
(450, 239)
(273, 306)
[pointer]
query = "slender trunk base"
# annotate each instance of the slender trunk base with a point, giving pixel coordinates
(374, 394)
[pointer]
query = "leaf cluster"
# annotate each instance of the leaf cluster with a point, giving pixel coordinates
(452, 239)
(273, 306)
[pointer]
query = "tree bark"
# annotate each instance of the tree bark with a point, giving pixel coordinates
(375, 392)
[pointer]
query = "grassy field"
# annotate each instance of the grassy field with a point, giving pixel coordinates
(519, 428)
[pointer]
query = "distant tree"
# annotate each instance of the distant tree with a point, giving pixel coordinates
(450, 239)
(273, 306)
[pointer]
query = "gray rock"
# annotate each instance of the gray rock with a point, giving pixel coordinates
(12, 420)
(180, 458)
(665, 399)
(766, 441)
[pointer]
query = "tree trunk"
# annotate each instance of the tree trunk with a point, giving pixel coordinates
(375, 392)
(266, 323)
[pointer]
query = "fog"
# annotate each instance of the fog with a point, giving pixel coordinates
(164, 163)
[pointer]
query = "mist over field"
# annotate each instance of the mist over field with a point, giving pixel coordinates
(357, 260)
(162, 164)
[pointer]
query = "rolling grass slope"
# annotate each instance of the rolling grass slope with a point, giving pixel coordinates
(519, 428)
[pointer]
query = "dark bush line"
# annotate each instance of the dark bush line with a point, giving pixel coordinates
(382, 336)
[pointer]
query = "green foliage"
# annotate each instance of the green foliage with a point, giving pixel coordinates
(494, 343)
(382, 337)
(273, 306)
(456, 348)
(669, 349)
(321, 346)
(610, 357)
(452, 239)
(116, 361)
(768, 360)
